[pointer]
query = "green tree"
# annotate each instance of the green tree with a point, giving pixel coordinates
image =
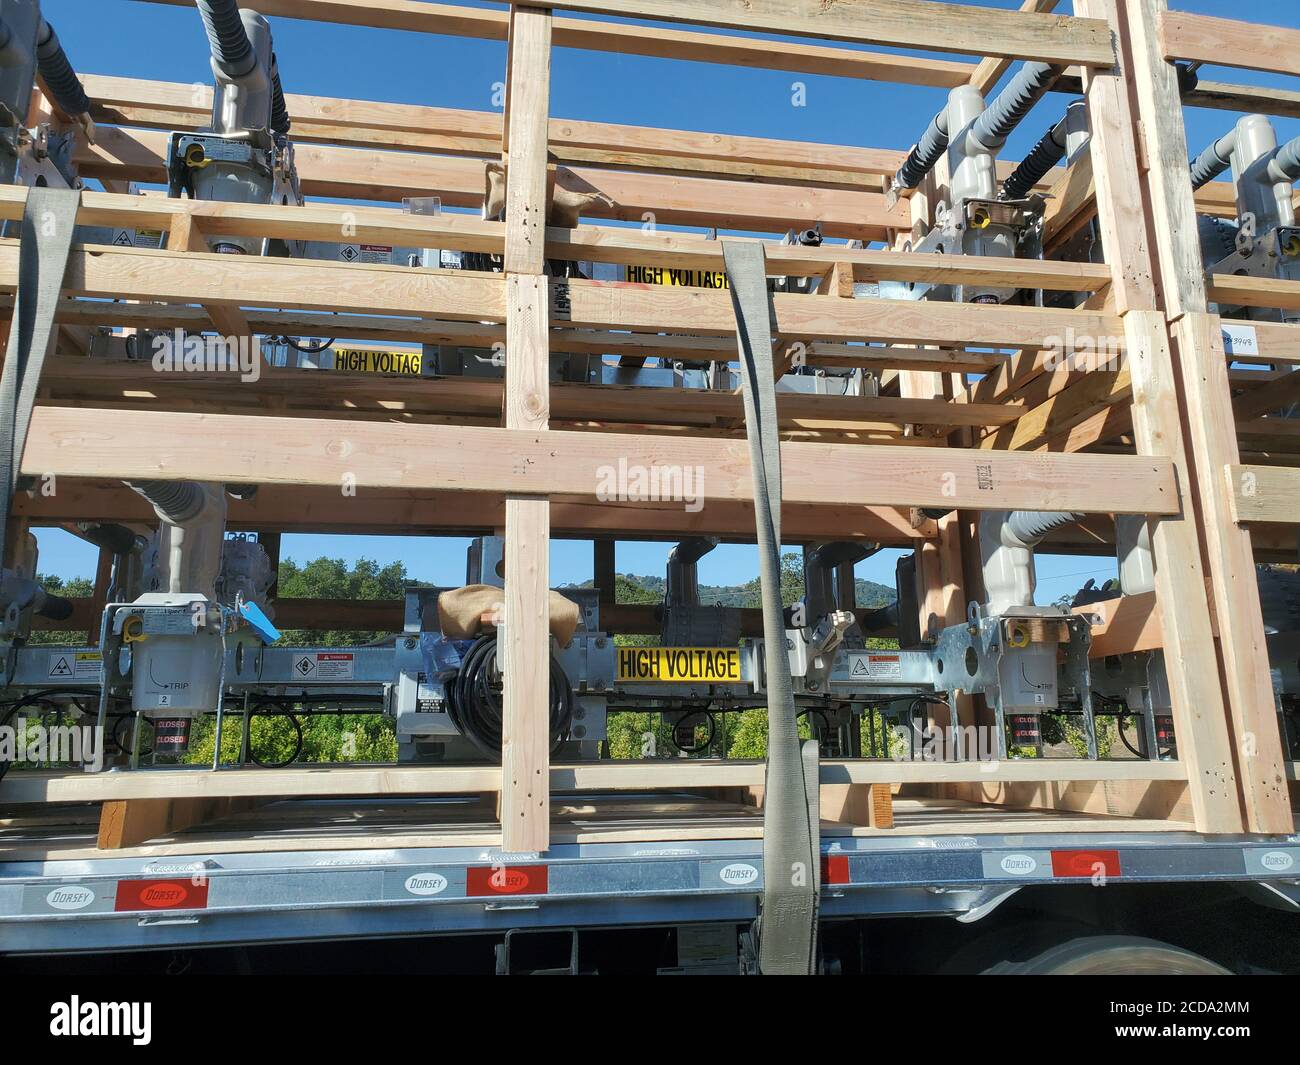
(331, 578)
(71, 588)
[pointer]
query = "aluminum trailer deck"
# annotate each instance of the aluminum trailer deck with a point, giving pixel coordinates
(302, 870)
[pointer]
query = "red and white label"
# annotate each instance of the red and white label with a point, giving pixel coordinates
(1085, 864)
(324, 665)
(505, 880)
(162, 894)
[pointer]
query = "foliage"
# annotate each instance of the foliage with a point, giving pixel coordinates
(72, 588)
(330, 578)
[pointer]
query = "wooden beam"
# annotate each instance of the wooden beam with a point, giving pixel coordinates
(1264, 493)
(1206, 400)
(314, 508)
(78, 442)
(1123, 625)
(990, 69)
(161, 276)
(327, 171)
(1245, 99)
(1199, 706)
(1225, 42)
(526, 706)
(624, 39)
(44, 786)
(896, 23)
(131, 822)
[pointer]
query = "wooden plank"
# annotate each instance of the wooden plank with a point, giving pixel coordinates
(1263, 493)
(1228, 43)
(313, 508)
(1162, 800)
(897, 23)
(352, 174)
(602, 244)
(1206, 400)
(858, 804)
(186, 234)
(991, 68)
(39, 786)
(130, 822)
(524, 147)
(1124, 625)
(76, 442)
(1200, 706)
(148, 274)
(628, 40)
(1165, 153)
(526, 734)
(1232, 290)
(1245, 99)
(453, 131)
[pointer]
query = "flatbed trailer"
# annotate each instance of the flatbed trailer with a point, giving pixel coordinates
(366, 868)
(966, 414)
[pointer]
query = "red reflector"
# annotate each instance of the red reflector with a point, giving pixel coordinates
(505, 880)
(1085, 863)
(162, 894)
(835, 869)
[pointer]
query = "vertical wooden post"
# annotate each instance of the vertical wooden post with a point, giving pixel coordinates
(99, 597)
(526, 647)
(1131, 234)
(1201, 377)
(603, 571)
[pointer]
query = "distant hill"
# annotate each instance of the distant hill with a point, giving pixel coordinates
(636, 587)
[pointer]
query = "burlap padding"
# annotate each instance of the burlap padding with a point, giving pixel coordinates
(566, 196)
(464, 613)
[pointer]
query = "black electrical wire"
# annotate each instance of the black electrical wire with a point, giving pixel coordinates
(264, 711)
(708, 741)
(306, 349)
(474, 699)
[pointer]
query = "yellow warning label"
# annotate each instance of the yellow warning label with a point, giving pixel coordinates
(673, 665)
(663, 275)
(365, 360)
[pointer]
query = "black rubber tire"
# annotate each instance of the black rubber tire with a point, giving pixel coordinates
(1112, 956)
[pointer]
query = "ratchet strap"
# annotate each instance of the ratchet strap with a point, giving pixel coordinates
(49, 220)
(786, 931)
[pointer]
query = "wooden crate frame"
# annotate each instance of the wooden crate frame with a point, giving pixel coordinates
(522, 455)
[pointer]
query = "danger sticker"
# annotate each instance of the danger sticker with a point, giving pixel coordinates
(864, 666)
(675, 665)
(74, 665)
(323, 665)
(366, 253)
(365, 360)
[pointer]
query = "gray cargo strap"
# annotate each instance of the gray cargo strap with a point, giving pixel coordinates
(49, 220)
(786, 931)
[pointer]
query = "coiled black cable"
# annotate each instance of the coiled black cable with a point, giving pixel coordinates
(275, 711)
(474, 699)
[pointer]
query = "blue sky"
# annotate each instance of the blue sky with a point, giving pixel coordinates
(147, 40)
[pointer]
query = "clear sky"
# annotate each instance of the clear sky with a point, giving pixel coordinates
(147, 40)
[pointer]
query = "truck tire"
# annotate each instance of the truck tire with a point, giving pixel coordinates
(1112, 956)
